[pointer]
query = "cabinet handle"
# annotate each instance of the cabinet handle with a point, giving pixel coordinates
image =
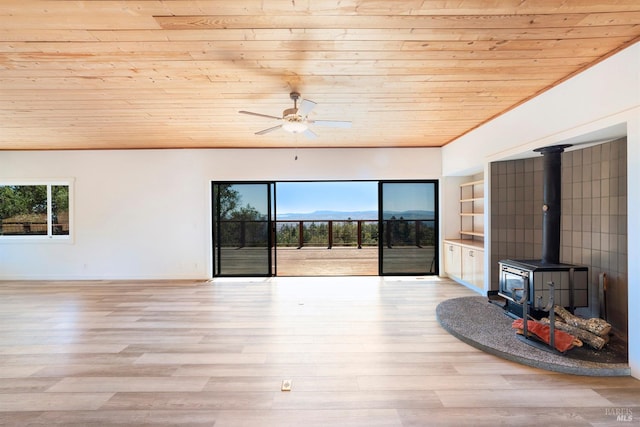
(471, 254)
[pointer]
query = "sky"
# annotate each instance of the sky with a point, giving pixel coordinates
(345, 196)
(402, 196)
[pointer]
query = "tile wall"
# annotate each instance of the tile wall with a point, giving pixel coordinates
(593, 224)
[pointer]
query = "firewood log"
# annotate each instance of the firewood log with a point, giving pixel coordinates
(563, 340)
(576, 342)
(583, 335)
(594, 325)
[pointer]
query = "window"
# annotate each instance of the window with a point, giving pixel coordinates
(34, 210)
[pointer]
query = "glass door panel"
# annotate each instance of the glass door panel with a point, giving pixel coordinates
(408, 224)
(242, 229)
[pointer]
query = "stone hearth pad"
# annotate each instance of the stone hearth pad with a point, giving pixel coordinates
(483, 325)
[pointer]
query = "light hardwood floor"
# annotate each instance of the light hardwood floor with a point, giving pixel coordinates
(360, 351)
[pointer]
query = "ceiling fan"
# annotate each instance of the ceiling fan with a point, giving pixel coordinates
(295, 120)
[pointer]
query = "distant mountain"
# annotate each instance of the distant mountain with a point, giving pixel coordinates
(354, 215)
(414, 214)
(327, 215)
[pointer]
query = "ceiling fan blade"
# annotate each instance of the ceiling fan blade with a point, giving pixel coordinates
(310, 134)
(305, 107)
(262, 132)
(331, 123)
(260, 115)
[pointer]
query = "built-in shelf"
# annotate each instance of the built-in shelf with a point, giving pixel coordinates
(463, 255)
(472, 210)
(472, 233)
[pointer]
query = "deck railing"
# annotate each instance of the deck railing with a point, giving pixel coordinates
(31, 228)
(328, 233)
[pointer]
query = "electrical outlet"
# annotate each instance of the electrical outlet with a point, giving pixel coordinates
(286, 385)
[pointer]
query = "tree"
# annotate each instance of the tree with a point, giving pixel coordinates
(246, 213)
(60, 198)
(227, 199)
(22, 200)
(239, 225)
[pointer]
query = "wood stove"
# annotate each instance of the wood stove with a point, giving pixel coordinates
(571, 286)
(526, 281)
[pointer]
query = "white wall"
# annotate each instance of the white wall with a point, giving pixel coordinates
(146, 214)
(602, 102)
(633, 240)
(450, 203)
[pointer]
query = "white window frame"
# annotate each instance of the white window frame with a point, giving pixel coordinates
(49, 236)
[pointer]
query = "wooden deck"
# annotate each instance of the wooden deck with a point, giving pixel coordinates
(360, 351)
(309, 261)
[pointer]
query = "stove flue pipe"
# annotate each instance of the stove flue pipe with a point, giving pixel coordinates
(551, 207)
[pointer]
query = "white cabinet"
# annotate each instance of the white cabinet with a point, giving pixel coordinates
(464, 262)
(453, 259)
(472, 267)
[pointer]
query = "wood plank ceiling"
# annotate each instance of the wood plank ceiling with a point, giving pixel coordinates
(173, 74)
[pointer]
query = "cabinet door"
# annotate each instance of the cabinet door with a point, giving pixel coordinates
(478, 269)
(472, 267)
(467, 265)
(453, 260)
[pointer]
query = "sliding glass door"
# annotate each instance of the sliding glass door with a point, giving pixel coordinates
(243, 215)
(404, 236)
(408, 227)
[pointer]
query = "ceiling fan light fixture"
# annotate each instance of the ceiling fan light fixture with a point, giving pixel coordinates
(295, 120)
(294, 126)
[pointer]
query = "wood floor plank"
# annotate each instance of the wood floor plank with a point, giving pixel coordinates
(491, 417)
(229, 418)
(26, 385)
(128, 384)
(495, 367)
(312, 418)
(326, 383)
(622, 397)
(200, 357)
(104, 370)
(62, 349)
(208, 400)
(518, 398)
(432, 382)
(18, 371)
(317, 369)
(359, 351)
(43, 401)
(356, 400)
